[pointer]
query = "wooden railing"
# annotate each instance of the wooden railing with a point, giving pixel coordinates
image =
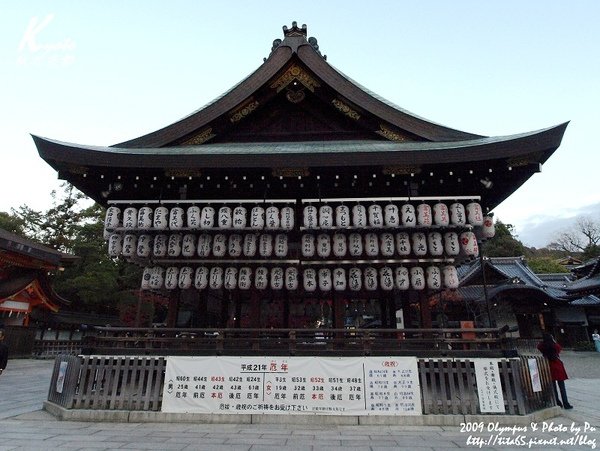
(135, 383)
(422, 342)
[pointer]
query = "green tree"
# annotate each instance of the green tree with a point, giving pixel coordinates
(504, 243)
(12, 223)
(545, 265)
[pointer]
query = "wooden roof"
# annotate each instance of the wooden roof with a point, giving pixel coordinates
(298, 112)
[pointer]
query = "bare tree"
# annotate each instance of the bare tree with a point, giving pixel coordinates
(583, 236)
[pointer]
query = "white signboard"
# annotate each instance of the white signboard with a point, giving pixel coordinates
(288, 385)
(534, 374)
(489, 387)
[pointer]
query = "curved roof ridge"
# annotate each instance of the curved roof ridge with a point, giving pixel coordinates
(396, 106)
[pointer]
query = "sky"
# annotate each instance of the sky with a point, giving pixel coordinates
(100, 73)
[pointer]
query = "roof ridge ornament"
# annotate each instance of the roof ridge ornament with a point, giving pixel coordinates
(295, 37)
(295, 30)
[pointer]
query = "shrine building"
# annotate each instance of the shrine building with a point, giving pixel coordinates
(300, 199)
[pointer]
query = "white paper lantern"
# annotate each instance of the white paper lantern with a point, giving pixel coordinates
(371, 244)
(355, 279)
(144, 221)
(488, 229)
(239, 217)
(146, 275)
(207, 218)
(143, 246)
(458, 216)
(172, 277)
(391, 215)
(156, 278)
(225, 219)
(409, 217)
(129, 245)
(230, 282)
(204, 245)
(193, 215)
(174, 245)
(176, 218)
(419, 244)
(342, 216)
(250, 244)
(325, 217)
(112, 219)
(441, 217)
(371, 279)
(339, 245)
(160, 245)
(291, 278)
(417, 278)
(215, 278)
(402, 278)
(281, 245)
(185, 278)
(359, 216)
(375, 216)
(235, 245)
(386, 278)
(434, 278)
(261, 280)
(451, 244)
(277, 278)
(130, 218)
(265, 247)
(272, 220)
(450, 277)
(245, 278)
(435, 244)
(355, 244)
(339, 279)
(308, 245)
(424, 215)
(287, 218)
(161, 218)
(468, 244)
(386, 245)
(219, 247)
(474, 214)
(188, 247)
(310, 217)
(201, 278)
(323, 245)
(325, 279)
(257, 218)
(309, 280)
(403, 244)
(115, 245)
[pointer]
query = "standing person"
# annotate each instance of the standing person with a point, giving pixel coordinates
(3, 352)
(596, 338)
(551, 350)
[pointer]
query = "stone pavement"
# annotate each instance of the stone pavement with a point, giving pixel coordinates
(24, 426)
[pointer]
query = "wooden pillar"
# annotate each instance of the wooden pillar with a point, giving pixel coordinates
(225, 295)
(173, 308)
(339, 309)
(255, 309)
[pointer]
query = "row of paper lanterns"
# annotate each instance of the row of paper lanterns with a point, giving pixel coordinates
(323, 279)
(419, 244)
(273, 218)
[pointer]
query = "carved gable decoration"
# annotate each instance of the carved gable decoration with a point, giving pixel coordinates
(295, 73)
(200, 138)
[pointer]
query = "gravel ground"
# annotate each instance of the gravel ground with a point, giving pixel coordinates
(584, 365)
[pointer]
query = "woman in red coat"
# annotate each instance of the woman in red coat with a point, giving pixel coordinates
(551, 350)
